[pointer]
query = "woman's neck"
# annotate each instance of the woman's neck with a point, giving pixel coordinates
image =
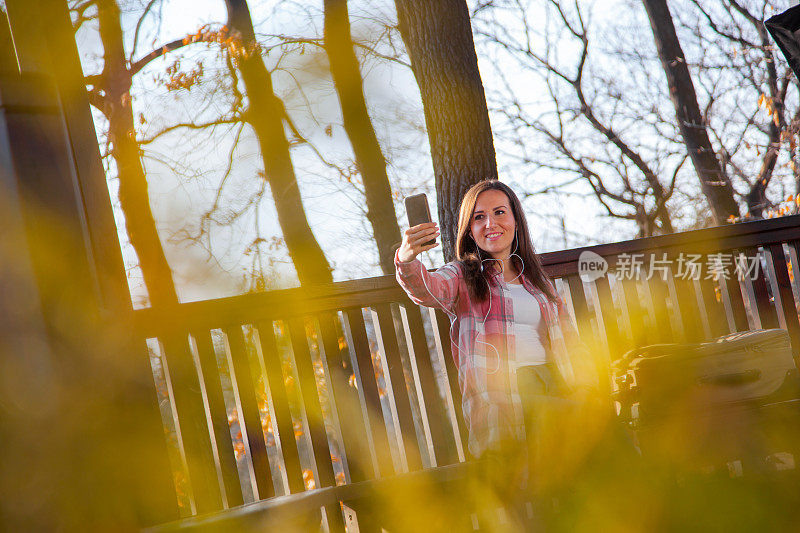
(508, 269)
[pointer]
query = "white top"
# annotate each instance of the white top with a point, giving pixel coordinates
(527, 316)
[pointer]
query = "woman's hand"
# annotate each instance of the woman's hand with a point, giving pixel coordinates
(414, 240)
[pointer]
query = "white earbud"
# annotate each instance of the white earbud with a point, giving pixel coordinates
(454, 317)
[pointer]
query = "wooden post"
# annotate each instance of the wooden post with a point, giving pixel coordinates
(101, 229)
(83, 443)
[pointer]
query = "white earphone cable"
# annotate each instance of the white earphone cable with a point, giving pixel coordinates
(453, 317)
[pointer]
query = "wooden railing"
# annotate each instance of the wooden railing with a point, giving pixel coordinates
(639, 312)
(321, 344)
(341, 388)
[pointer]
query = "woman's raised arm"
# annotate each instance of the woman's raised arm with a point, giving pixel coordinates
(431, 289)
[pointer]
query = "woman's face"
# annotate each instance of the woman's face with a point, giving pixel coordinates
(493, 223)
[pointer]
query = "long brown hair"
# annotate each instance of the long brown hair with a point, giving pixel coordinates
(470, 255)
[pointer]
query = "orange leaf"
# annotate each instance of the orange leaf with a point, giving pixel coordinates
(308, 479)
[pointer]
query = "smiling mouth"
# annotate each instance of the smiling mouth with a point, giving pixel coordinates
(493, 236)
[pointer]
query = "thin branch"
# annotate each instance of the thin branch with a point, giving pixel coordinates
(192, 126)
(719, 31)
(139, 27)
(139, 64)
(207, 216)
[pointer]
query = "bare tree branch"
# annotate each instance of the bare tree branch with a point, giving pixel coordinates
(147, 9)
(191, 126)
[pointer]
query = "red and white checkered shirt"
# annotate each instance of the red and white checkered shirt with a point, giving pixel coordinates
(482, 341)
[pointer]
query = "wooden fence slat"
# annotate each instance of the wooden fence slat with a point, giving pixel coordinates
(245, 384)
(634, 314)
(587, 334)
(657, 295)
(311, 402)
(581, 307)
(714, 311)
(700, 289)
(219, 418)
(193, 424)
(767, 312)
(368, 389)
(441, 333)
(431, 408)
(623, 320)
(784, 297)
(687, 306)
(396, 385)
(792, 248)
(357, 456)
(732, 298)
(280, 406)
(607, 318)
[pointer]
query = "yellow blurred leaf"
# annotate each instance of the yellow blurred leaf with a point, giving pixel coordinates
(308, 479)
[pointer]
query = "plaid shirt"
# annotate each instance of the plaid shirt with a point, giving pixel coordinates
(483, 348)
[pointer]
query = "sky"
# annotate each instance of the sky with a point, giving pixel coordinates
(184, 169)
(334, 207)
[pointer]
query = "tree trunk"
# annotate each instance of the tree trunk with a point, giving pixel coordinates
(133, 196)
(369, 158)
(265, 115)
(438, 37)
(715, 184)
(757, 196)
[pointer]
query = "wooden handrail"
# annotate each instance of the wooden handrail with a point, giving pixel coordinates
(283, 303)
(278, 510)
(708, 240)
(383, 289)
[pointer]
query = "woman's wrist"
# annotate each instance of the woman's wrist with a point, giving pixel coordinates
(403, 258)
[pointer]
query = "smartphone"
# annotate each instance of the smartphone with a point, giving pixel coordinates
(418, 211)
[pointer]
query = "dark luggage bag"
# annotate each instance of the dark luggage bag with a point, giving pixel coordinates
(713, 402)
(754, 367)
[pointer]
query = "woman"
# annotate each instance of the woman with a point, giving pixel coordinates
(503, 310)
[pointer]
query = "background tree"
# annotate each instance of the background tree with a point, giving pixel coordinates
(111, 94)
(581, 103)
(741, 58)
(715, 184)
(265, 114)
(603, 148)
(438, 38)
(369, 157)
(602, 68)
